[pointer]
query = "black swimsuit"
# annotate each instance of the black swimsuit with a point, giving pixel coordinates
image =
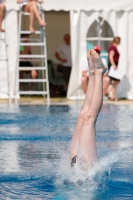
(73, 161)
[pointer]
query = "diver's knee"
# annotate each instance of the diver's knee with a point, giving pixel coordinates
(83, 111)
(31, 9)
(90, 117)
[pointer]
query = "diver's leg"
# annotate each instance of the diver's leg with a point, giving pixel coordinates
(76, 134)
(87, 152)
(32, 8)
(29, 8)
(32, 18)
(38, 16)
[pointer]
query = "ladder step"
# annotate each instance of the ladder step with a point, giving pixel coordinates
(28, 32)
(30, 40)
(24, 13)
(2, 40)
(35, 60)
(2, 59)
(2, 92)
(5, 44)
(32, 44)
(32, 80)
(31, 56)
(3, 67)
(4, 80)
(31, 68)
(33, 92)
(27, 13)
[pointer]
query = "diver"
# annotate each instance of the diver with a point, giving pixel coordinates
(83, 149)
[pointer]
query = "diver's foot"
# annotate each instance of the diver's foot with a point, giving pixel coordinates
(32, 30)
(90, 63)
(43, 23)
(2, 30)
(97, 62)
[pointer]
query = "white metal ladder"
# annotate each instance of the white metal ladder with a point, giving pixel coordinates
(42, 58)
(5, 57)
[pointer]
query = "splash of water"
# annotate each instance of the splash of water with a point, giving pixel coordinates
(97, 174)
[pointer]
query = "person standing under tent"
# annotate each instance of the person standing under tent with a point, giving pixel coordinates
(113, 61)
(32, 7)
(63, 54)
(83, 148)
(2, 13)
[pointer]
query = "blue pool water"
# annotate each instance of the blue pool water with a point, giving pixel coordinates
(34, 162)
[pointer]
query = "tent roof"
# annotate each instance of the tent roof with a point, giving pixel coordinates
(87, 5)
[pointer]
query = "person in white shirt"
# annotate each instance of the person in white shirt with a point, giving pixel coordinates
(2, 13)
(63, 54)
(85, 74)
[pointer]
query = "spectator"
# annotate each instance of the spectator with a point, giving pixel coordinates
(85, 75)
(32, 7)
(113, 60)
(2, 13)
(26, 50)
(63, 54)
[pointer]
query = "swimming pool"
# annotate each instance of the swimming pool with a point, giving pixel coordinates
(34, 163)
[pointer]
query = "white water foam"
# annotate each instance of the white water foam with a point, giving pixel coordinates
(95, 175)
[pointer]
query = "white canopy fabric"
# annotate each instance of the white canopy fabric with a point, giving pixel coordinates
(85, 5)
(88, 5)
(122, 25)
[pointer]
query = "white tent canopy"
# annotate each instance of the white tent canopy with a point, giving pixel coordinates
(80, 24)
(118, 14)
(85, 5)
(88, 5)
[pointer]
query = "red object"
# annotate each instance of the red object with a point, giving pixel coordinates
(97, 49)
